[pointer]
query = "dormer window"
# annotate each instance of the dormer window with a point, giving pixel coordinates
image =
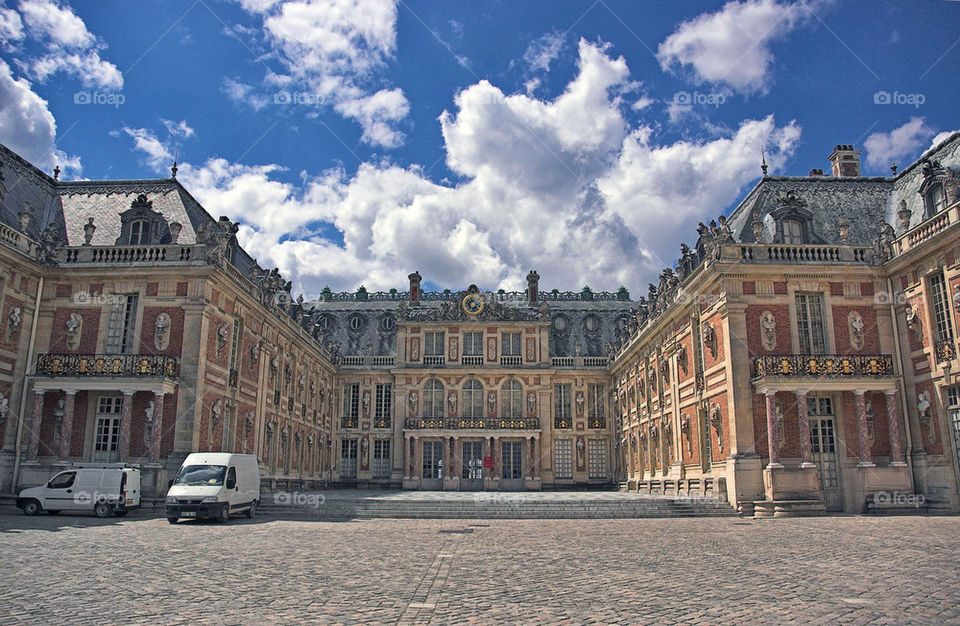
(936, 199)
(938, 189)
(139, 232)
(792, 232)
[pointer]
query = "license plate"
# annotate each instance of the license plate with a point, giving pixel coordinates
(188, 514)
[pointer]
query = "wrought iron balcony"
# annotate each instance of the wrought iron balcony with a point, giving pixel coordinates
(472, 423)
(824, 365)
(136, 365)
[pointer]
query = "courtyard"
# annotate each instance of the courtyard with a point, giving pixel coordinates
(139, 569)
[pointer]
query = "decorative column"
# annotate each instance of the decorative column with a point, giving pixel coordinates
(773, 434)
(804, 423)
(486, 453)
(893, 429)
(66, 423)
(863, 434)
(536, 457)
(445, 468)
(123, 448)
(407, 457)
(33, 445)
(156, 434)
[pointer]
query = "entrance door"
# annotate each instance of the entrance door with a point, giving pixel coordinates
(472, 457)
(432, 477)
(348, 458)
(106, 436)
(381, 458)
(512, 466)
(823, 444)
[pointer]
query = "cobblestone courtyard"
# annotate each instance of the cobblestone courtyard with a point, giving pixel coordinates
(142, 570)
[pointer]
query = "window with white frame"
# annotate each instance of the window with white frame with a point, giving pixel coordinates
(810, 324)
(563, 458)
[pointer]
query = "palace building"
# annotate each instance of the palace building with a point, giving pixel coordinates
(800, 357)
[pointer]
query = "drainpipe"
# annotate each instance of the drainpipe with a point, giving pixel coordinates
(905, 417)
(23, 388)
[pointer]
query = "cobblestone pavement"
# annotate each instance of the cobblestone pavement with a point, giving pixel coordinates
(816, 570)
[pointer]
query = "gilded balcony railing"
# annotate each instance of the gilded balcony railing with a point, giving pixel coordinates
(472, 423)
(824, 365)
(135, 365)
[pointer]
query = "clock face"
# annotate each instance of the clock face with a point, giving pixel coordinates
(472, 304)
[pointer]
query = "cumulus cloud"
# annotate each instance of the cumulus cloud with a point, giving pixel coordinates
(563, 185)
(732, 45)
(11, 26)
(71, 48)
(334, 50)
(940, 137)
(26, 125)
(900, 143)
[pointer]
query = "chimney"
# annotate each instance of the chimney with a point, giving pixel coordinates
(414, 286)
(533, 287)
(844, 160)
(816, 172)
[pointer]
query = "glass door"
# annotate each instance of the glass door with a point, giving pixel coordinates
(512, 466)
(472, 465)
(432, 465)
(106, 436)
(348, 458)
(823, 445)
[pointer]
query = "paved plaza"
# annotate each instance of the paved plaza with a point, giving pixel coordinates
(76, 569)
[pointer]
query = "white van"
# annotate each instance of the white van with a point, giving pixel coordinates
(110, 489)
(213, 485)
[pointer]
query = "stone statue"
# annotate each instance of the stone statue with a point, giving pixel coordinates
(161, 331)
(912, 316)
(855, 325)
(716, 420)
(768, 330)
(13, 322)
(50, 245)
(74, 331)
(452, 401)
(88, 230)
(413, 399)
(223, 334)
(709, 338)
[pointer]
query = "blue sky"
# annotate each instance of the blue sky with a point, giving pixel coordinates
(358, 140)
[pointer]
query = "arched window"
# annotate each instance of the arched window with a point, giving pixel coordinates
(511, 399)
(473, 398)
(935, 199)
(433, 398)
(139, 232)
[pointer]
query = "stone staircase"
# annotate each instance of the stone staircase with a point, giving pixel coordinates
(486, 505)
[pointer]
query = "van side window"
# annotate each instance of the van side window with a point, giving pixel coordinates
(62, 481)
(232, 476)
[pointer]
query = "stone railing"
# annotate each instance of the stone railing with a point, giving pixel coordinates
(368, 361)
(127, 255)
(927, 229)
(17, 240)
(824, 365)
(134, 365)
(796, 253)
(580, 361)
(472, 423)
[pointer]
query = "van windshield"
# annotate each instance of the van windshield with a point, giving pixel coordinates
(201, 475)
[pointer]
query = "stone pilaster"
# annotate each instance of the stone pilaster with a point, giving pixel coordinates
(803, 421)
(66, 423)
(773, 431)
(123, 447)
(33, 444)
(893, 430)
(863, 434)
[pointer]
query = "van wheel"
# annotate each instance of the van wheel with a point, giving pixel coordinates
(49, 512)
(103, 509)
(172, 520)
(31, 507)
(252, 511)
(224, 513)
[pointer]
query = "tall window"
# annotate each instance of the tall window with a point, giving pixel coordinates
(139, 233)
(122, 323)
(473, 399)
(563, 458)
(810, 323)
(382, 407)
(792, 231)
(511, 399)
(433, 344)
(351, 405)
(936, 200)
(562, 414)
(941, 311)
(433, 398)
(235, 342)
(473, 344)
(510, 344)
(595, 413)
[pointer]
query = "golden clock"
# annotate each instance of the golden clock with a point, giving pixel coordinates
(472, 304)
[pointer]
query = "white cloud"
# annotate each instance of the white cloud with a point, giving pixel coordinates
(178, 129)
(940, 137)
(900, 143)
(543, 51)
(71, 48)
(158, 155)
(243, 93)
(335, 50)
(11, 26)
(565, 186)
(731, 46)
(26, 125)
